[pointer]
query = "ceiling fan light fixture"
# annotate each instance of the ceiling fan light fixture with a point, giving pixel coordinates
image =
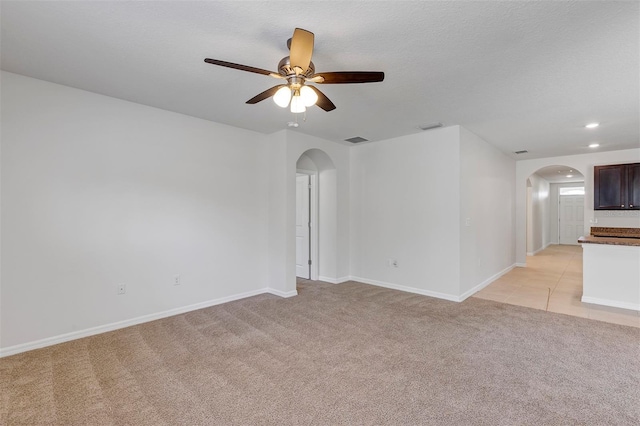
(297, 103)
(282, 97)
(308, 95)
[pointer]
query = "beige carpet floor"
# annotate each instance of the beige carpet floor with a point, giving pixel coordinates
(336, 354)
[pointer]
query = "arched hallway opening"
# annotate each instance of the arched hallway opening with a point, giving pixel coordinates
(316, 195)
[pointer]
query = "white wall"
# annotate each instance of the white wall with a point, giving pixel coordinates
(305, 163)
(487, 211)
(406, 206)
(584, 164)
(97, 191)
(280, 275)
(412, 198)
(540, 214)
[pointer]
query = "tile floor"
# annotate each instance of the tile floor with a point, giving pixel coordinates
(552, 281)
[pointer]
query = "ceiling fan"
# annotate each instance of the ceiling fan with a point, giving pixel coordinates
(298, 70)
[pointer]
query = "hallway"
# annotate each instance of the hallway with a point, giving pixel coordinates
(552, 281)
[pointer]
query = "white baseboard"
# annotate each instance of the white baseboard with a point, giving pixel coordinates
(281, 293)
(423, 292)
(539, 250)
(520, 265)
(612, 303)
(54, 340)
(334, 280)
(486, 282)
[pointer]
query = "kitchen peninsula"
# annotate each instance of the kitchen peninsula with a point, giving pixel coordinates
(611, 267)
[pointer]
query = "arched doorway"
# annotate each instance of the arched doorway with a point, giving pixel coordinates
(316, 216)
(555, 207)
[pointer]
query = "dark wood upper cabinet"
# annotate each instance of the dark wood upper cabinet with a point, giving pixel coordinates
(633, 193)
(616, 187)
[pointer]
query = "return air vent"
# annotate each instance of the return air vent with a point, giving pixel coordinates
(430, 126)
(356, 139)
(524, 151)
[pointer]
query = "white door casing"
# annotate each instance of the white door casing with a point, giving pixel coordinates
(302, 226)
(571, 218)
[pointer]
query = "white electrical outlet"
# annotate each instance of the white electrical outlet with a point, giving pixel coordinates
(122, 288)
(176, 279)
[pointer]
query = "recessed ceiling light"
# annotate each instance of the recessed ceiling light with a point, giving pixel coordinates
(592, 125)
(594, 145)
(569, 175)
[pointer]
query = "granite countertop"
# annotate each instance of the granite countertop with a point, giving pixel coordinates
(612, 236)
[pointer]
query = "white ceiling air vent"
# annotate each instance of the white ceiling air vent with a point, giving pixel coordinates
(524, 151)
(356, 139)
(430, 126)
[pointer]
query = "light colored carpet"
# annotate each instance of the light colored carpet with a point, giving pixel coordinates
(335, 354)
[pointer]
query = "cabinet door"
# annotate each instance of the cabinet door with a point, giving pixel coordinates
(633, 183)
(610, 187)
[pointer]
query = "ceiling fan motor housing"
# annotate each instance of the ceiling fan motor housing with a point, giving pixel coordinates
(286, 70)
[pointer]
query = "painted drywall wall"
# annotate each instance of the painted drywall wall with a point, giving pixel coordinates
(554, 200)
(281, 276)
(405, 196)
(305, 163)
(97, 191)
(584, 164)
(487, 212)
(539, 211)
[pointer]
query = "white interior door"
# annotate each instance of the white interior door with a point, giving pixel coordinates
(302, 226)
(571, 218)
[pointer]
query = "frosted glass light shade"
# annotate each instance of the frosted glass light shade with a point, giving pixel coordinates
(282, 97)
(308, 95)
(297, 104)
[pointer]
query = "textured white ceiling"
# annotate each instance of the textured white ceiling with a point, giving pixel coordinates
(558, 174)
(522, 75)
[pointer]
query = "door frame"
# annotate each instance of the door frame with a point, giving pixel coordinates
(560, 214)
(313, 217)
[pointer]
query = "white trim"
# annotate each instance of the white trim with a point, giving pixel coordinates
(520, 265)
(423, 292)
(281, 293)
(313, 232)
(613, 303)
(435, 294)
(334, 280)
(54, 340)
(486, 282)
(539, 250)
(313, 219)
